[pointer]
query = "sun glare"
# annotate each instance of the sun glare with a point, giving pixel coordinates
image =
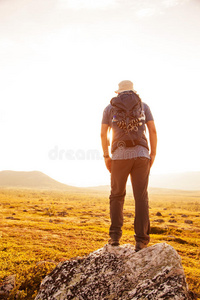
(64, 71)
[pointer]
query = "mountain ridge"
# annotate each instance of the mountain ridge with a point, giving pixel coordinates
(179, 181)
(29, 179)
(188, 181)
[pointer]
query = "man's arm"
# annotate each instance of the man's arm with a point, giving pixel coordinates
(153, 140)
(105, 144)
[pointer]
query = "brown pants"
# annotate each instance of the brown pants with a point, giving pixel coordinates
(138, 168)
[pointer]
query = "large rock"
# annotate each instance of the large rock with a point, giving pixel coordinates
(6, 286)
(118, 273)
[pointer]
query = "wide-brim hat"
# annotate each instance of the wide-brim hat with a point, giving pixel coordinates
(125, 85)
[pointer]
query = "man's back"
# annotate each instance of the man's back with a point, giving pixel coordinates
(130, 156)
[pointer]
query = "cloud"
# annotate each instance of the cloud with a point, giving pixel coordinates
(86, 4)
(147, 9)
(146, 12)
(172, 3)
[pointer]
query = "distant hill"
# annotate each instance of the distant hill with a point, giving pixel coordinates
(177, 181)
(33, 179)
(189, 181)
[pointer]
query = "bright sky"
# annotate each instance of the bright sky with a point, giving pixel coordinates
(60, 62)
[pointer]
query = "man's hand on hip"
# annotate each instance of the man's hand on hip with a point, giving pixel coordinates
(152, 156)
(108, 162)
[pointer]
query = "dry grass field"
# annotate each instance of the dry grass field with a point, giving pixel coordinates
(39, 228)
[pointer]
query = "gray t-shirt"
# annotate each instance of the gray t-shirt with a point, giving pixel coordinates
(128, 152)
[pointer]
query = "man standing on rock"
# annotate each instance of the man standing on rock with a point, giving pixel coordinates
(128, 117)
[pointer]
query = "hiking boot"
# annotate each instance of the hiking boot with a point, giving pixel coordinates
(139, 246)
(113, 242)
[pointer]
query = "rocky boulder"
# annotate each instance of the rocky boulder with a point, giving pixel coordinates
(6, 286)
(118, 273)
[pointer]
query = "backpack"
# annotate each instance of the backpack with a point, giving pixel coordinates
(128, 121)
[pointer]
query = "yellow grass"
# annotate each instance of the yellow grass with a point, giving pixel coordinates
(38, 229)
